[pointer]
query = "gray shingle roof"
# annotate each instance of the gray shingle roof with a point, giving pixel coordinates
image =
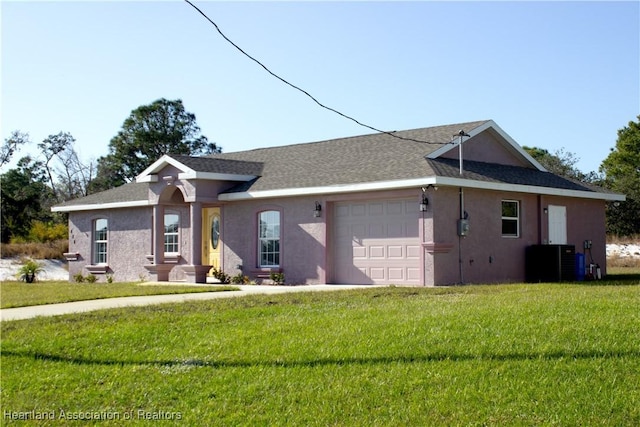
(220, 165)
(343, 161)
(358, 159)
(130, 192)
(505, 174)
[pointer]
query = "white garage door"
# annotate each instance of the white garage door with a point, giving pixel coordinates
(377, 242)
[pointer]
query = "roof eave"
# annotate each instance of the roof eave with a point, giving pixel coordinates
(101, 206)
(419, 182)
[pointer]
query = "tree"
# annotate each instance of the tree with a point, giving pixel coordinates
(163, 127)
(622, 174)
(561, 163)
(51, 147)
(24, 195)
(68, 176)
(11, 145)
(74, 176)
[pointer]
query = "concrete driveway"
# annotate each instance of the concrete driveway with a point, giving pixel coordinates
(100, 304)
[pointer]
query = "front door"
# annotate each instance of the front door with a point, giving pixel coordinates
(211, 237)
(557, 225)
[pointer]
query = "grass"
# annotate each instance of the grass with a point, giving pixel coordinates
(547, 354)
(19, 294)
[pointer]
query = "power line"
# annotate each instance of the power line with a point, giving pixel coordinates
(298, 88)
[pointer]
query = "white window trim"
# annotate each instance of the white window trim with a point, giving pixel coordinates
(511, 218)
(94, 254)
(172, 254)
(261, 239)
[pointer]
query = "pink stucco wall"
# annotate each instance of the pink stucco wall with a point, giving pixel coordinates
(129, 240)
(485, 147)
(302, 241)
(485, 255)
(585, 221)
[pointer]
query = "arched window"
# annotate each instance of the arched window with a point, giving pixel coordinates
(100, 229)
(269, 239)
(171, 233)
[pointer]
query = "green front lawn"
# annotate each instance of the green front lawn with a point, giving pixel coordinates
(20, 294)
(545, 354)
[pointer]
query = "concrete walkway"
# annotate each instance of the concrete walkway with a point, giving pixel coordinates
(100, 304)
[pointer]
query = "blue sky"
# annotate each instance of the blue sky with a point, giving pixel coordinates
(551, 74)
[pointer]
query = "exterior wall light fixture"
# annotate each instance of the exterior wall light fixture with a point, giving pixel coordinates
(318, 210)
(424, 203)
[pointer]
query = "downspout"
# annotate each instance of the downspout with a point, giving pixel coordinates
(460, 236)
(461, 134)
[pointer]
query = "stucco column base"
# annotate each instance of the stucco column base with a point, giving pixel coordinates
(159, 272)
(196, 273)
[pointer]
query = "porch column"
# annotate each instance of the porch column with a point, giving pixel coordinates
(158, 234)
(195, 215)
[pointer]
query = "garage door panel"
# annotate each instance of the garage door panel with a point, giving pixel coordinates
(377, 231)
(376, 252)
(395, 208)
(383, 240)
(377, 273)
(413, 274)
(396, 230)
(413, 252)
(358, 210)
(376, 209)
(359, 252)
(396, 274)
(395, 251)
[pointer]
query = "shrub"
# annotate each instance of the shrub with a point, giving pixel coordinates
(221, 275)
(91, 278)
(43, 232)
(29, 270)
(79, 278)
(240, 279)
(277, 278)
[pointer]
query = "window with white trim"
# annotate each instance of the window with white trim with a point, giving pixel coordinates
(171, 233)
(100, 234)
(269, 239)
(510, 218)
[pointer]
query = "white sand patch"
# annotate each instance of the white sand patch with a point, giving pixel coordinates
(53, 269)
(623, 250)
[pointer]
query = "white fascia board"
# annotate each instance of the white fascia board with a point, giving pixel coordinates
(532, 189)
(419, 182)
(147, 178)
(336, 189)
(100, 206)
(157, 166)
(215, 176)
(505, 136)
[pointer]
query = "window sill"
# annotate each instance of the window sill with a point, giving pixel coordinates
(97, 269)
(265, 272)
(437, 248)
(71, 256)
(171, 258)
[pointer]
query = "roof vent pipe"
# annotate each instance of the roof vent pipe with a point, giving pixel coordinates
(461, 133)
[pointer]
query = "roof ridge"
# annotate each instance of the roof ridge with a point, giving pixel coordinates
(476, 123)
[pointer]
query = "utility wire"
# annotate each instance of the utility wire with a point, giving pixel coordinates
(299, 89)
